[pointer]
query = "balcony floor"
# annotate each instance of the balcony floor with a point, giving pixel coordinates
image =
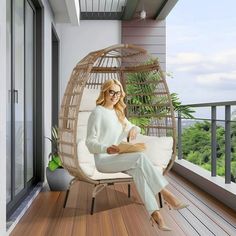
(116, 214)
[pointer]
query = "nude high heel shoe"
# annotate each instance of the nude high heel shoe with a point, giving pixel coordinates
(172, 202)
(156, 218)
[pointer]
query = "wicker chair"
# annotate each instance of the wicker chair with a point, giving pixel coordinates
(147, 98)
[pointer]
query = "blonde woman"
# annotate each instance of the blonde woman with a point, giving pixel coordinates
(107, 127)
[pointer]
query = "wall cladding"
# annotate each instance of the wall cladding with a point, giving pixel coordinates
(148, 34)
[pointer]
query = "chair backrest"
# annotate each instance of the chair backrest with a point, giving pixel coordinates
(147, 98)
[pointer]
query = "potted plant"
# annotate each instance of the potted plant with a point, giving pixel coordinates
(57, 177)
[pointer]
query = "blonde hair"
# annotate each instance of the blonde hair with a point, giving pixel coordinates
(120, 105)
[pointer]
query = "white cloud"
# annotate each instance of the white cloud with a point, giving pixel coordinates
(199, 63)
(225, 80)
(226, 57)
(176, 31)
(185, 58)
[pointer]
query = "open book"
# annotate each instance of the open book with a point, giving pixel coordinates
(131, 147)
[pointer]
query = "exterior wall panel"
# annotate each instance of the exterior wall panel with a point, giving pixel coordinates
(148, 34)
(77, 42)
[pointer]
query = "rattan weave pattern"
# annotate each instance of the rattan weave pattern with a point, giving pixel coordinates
(135, 68)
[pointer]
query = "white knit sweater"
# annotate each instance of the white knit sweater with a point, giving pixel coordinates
(104, 129)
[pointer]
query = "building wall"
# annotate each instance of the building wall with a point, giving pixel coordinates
(47, 77)
(77, 41)
(3, 96)
(148, 34)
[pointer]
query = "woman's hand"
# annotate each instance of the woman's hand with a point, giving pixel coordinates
(132, 133)
(113, 149)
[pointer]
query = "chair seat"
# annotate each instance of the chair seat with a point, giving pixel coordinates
(102, 176)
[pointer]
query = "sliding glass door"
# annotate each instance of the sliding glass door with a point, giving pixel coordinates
(21, 159)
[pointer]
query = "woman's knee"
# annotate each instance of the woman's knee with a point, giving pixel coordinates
(141, 157)
(142, 154)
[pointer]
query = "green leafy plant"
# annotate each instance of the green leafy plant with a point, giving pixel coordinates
(54, 159)
(186, 111)
(143, 104)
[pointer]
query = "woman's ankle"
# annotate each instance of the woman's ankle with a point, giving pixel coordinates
(157, 213)
(170, 198)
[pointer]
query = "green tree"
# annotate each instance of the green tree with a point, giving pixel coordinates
(196, 144)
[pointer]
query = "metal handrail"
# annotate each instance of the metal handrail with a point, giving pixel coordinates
(213, 120)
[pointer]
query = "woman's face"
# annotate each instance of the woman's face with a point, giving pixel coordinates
(112, 95)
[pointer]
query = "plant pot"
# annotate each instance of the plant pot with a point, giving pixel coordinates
(59, 179)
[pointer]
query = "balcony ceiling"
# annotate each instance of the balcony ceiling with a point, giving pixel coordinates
(71, 11)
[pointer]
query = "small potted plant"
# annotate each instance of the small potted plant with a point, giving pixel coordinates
(58, 178)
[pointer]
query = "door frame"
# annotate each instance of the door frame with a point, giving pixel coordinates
(55, 76)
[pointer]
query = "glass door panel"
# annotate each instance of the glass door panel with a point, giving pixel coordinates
(18, 92)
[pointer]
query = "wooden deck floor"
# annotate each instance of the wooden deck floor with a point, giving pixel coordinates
(115, 214)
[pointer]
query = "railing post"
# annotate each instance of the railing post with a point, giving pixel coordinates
(227, 145)
(213, 141)
(180, 154)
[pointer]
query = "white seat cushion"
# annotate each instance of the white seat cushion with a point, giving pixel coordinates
(85, 158)
(159, 149)
(119, 175)
(88, 99)
(87, 168)
(83, 153)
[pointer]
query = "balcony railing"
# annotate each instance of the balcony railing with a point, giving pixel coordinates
(227, 125)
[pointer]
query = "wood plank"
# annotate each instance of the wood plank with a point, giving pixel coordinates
(217, 221)
(170, 222)
(102, 208)
(157, 40)
(79, 226)
(57, 223)
(93, 224)
(197, 213)
(217, 206)
(140, 211)
(65, 220)
(145, 23)
(194, 222)
(36, 216)
(130, 217)
(115, 212)
(182, 222)
(150, 31)
(167, 218)
(54, 215)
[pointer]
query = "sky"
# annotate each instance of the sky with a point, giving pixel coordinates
(201, 50)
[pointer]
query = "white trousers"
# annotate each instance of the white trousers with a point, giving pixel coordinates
(148, 180)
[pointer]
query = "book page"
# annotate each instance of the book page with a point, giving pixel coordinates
(131, 147)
